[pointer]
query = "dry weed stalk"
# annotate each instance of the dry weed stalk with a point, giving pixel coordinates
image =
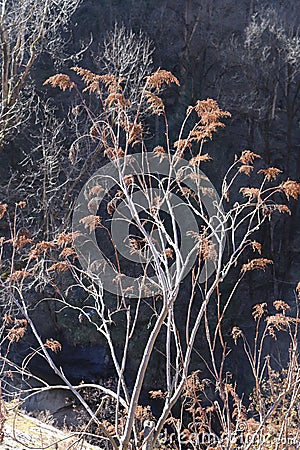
(117, 134)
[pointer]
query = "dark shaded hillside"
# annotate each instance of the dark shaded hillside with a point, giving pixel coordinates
(244, 54)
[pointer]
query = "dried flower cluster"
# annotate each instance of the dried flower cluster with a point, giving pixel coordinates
(280, 322)
(250, 192)
(256, 264)
(93, 81)
(3, 209)
(116, 98)
(199, 158)
(259, 310)
(18, 330)
(281, 305)
(114, 153)
(18, 275)
(248, 157)
(159, 78)
(67, 252)
(156, 105)
(40, 248)
(206, 248)
(169, 253)
(64, 239)
(91, 222)
(236, 334)
(271, 173)
(291, 189)
(256, 246)
(54, 345)
(22, 238)
(159, 152)
(60, 80)
(157, 394)
(134, 131)
(246, 169)
(61, 266)
(182, 144)
(209, 114)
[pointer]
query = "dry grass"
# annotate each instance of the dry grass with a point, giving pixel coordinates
(22, 431)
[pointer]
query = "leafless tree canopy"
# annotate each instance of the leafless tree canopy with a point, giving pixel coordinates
(127, 55)
(26, 28)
